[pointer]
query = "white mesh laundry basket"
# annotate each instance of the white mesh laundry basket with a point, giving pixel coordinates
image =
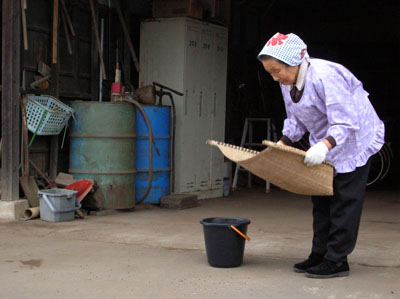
(54, 112)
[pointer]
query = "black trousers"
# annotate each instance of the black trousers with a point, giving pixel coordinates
(337, 217)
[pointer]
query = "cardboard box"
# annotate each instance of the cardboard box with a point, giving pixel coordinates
(218, 11)
(177, 8)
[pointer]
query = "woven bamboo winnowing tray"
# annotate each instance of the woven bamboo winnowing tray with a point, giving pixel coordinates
(282, 166)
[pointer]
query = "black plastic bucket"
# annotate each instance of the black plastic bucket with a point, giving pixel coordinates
(224, 246)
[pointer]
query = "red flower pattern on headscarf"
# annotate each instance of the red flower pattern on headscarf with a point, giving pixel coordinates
(277, 40)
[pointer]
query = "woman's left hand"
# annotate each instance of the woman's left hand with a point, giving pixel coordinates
(316, 154)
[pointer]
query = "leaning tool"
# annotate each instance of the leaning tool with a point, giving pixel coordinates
(97, 38)
(27, 181)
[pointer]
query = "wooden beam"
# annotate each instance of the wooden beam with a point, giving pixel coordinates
(75, 54)
(10, 104)
(53, 168)
(127, 64)
(95, 72)
(66, 32)
(24, 26)
(55, 81)
(55, 32)
(127, 36)
(68, 18)
(95, 16)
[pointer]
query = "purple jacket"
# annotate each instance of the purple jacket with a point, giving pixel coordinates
(335, 104)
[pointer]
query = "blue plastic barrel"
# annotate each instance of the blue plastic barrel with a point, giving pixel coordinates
(159, 118)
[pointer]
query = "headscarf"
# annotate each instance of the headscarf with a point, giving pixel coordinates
(289, 48)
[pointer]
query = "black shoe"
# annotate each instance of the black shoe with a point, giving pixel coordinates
(328, 269)
(313, 260)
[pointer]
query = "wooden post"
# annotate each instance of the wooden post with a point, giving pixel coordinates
(53, 169)
(55, 32)
(10, 99)
(24, 27)
(55, 80)
(95, 71)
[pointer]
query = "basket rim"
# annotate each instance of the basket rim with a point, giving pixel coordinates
(290, 149)
(70, 110)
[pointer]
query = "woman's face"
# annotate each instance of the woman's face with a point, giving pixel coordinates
(280, 72)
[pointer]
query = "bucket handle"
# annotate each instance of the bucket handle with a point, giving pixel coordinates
(240, 233)
(53, 209)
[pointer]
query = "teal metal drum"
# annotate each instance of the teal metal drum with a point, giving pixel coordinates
(159, 118)
(102, 148)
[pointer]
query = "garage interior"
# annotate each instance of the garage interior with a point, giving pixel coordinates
(90, 54)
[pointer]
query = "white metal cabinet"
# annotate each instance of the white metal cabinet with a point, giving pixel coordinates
(219, 107)
(190, 56)
(204, 116)
(187, 122)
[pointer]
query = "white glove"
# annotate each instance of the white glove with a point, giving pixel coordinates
(316, 154)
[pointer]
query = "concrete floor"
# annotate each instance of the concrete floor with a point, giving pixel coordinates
(159, 253)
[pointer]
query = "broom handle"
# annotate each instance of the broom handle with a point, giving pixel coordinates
(37, 128)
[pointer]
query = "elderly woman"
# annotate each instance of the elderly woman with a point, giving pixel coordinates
(328, 101)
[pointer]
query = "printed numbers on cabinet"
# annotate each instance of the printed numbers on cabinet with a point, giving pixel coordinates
(206, 46)
(192, 43)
